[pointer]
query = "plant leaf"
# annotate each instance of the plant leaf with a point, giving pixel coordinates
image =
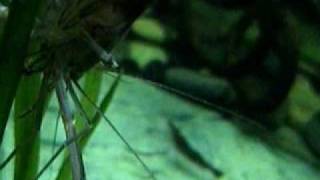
(27, 159)
(13, 49)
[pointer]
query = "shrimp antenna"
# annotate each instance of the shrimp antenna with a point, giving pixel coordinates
(144, 165)
(14, 152)
(212, 105)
